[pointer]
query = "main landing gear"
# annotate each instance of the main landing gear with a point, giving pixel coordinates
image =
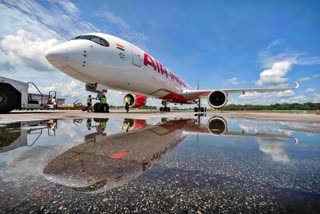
(165, 108)
(199, 108)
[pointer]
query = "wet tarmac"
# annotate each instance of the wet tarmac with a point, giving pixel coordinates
(179, 164)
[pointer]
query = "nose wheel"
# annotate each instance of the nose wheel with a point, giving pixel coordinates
(165, 108)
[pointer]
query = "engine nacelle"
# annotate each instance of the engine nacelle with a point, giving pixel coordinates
(217, 99)
(217, 125)
(136, 100)
(133, 124)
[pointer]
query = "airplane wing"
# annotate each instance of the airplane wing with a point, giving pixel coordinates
(194, 94)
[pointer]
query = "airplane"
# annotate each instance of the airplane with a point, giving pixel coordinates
(105, 62)
(114, 160)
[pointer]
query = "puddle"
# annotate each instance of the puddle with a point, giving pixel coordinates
(206, 164)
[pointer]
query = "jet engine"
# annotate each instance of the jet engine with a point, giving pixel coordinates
(136, 100)
(217, 125)
(217, 99)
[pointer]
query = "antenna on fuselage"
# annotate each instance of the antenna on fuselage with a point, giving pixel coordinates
(198, 84)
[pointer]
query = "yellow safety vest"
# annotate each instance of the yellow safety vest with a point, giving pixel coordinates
(103, 125)
(104, 100)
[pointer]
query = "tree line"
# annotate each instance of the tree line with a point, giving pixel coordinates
(277, 106)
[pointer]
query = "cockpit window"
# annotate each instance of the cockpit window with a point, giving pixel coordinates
(95, 39)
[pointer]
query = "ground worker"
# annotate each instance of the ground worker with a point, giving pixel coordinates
(104, 104)
(126, 103)
(89, 103)
(103, 126)
(88, 124)
(54, 102)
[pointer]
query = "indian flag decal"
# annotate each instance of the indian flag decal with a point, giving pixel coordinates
(121, 47)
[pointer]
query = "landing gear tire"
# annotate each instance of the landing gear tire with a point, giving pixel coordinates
(99, 120)
(97, 107)
(9, 99)
(165, 109)
(201, 109)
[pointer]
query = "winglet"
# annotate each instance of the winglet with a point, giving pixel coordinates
(296, 85)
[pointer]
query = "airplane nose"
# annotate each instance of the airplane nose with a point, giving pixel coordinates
(57, 55)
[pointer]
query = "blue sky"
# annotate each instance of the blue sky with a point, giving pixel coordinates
(233, 44)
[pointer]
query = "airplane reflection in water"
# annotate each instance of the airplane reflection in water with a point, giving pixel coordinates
(107, 161)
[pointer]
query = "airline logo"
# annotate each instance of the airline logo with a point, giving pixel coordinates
(120, 47)
(157, 66)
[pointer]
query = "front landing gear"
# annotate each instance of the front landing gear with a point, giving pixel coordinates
(165, 108)
(199, 108)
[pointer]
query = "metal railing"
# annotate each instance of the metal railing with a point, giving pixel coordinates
(42, 101)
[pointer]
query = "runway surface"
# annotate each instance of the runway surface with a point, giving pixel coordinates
(148, 114)
(152, 162)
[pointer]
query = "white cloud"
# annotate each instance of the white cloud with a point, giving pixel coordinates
(312, 60)
(274, 148)
(67, 6)
(137, 38)
(311, 90)
(276, 74)
(304, 79)
(250, 95)
(289, 93)
(315, 98)
(13, 18)
(233, 81)
(27, 48)
(71, 89)
(276, 97)
(268, 56)
(279, 64)
(112, 18)
(266, 96)
(28, 28)
(63, 18)
(309, 78)
(119, 27)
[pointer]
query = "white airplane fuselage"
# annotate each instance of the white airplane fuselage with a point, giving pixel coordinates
(103, 60)
(121, 66)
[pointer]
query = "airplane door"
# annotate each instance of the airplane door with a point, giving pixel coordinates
(136, 58)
